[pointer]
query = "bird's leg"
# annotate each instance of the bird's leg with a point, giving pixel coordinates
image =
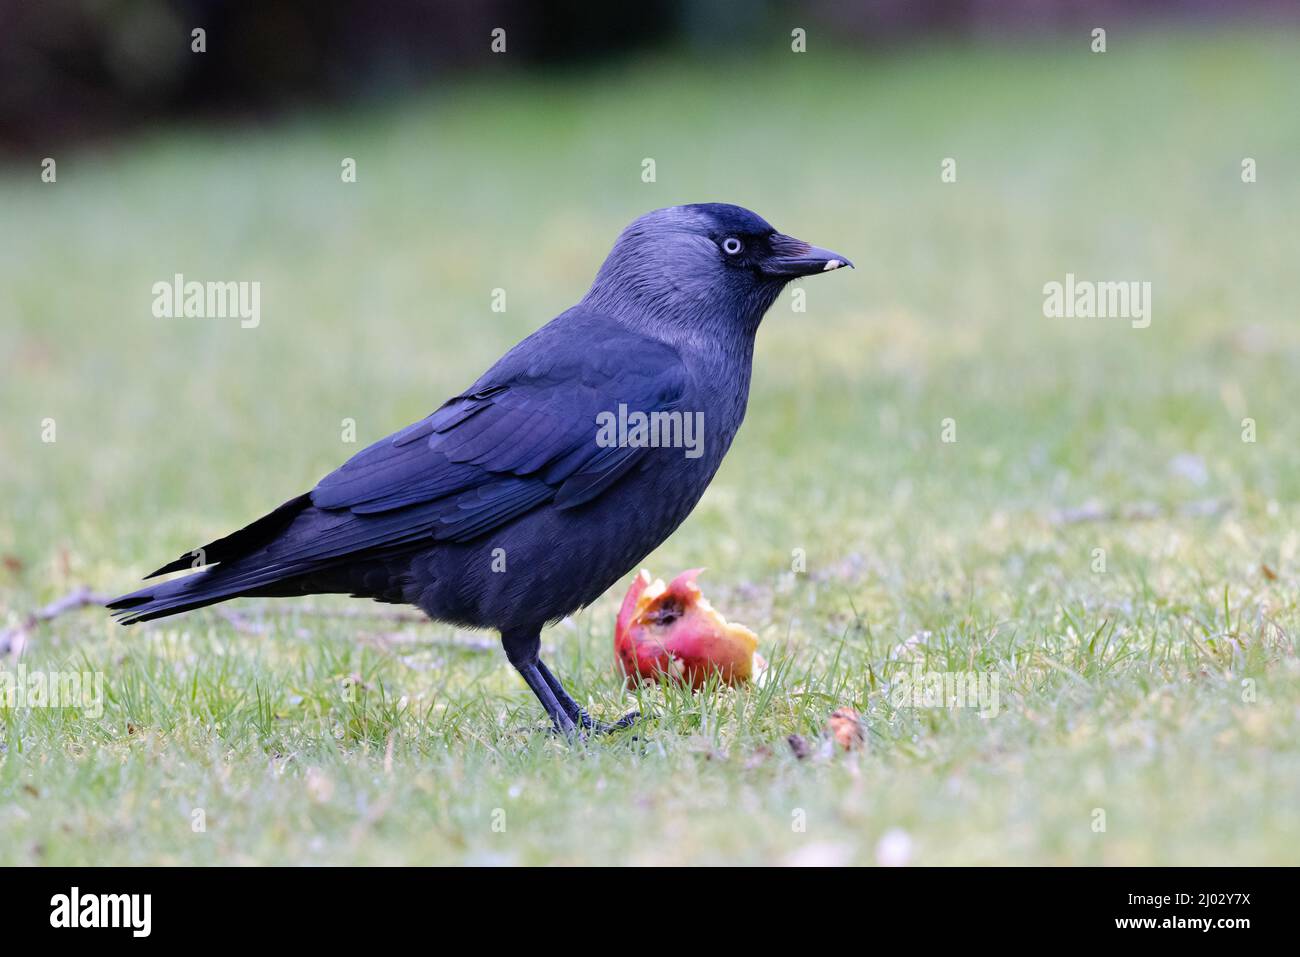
(571, 707)
(575, 710)
(522, 650)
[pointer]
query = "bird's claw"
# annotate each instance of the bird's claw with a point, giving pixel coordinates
(580, 723)
(601, 727)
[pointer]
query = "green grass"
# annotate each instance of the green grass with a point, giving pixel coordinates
(1164, 690)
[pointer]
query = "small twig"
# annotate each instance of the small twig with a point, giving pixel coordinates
(14, 639)
(246, 620)
(1094, 511)
(239, 622)
(370, 613)
(389, 642)
(384, 640)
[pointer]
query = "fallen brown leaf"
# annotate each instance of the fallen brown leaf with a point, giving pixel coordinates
(845, 726)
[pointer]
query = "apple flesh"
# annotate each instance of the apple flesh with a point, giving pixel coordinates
(672, 630)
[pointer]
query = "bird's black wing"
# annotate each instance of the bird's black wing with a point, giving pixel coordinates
(525, 434)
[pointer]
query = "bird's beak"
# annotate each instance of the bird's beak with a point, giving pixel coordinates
(793, 257)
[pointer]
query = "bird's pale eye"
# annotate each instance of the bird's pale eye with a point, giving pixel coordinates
(731, 245)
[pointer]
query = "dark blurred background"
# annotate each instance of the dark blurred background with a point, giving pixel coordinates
(72, 70)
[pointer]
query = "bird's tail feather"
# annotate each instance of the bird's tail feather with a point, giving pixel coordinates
(294, 550)
(173, 597)
(240, 543)
(237, 566)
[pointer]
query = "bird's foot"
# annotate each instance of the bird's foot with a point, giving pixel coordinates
(568, 718)
(577, 725)
(600, 727)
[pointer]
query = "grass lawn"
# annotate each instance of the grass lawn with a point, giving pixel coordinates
(1099, 537)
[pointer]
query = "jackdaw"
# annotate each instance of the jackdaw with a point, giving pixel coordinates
(514, 505)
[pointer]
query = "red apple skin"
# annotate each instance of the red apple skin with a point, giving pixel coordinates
(677, 634)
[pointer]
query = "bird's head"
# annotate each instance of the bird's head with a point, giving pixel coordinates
(707, 265)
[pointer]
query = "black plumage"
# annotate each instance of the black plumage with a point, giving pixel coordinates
(503, 509)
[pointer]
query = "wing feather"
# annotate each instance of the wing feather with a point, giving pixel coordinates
(523, 435)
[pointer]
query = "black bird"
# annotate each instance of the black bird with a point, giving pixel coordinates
(510, 507)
